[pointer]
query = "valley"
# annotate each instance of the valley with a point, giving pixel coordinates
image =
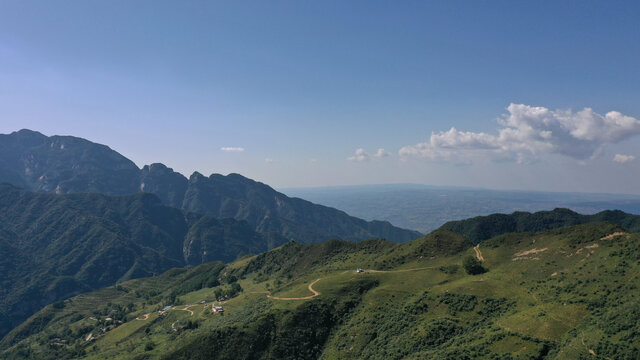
(426, 208)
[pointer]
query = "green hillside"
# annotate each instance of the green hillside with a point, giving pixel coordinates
(565, 293)
(56, 246)
(481, 228)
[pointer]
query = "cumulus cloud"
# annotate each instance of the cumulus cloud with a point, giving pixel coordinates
(620, 158)
(232, 149)
(527, 132)
(381, 153)
(360, 156)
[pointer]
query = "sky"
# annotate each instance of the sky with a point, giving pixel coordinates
(540, 95)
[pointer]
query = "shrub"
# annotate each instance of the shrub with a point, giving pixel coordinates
(149, 346)
(459, 302)
(473, 266)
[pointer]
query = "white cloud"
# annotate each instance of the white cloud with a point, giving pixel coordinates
(528, 132)
(268, 160)
(381, 153)
(232, 149)
(360, 156)
(619, 158)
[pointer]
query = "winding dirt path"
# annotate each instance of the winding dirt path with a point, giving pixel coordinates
(611, 236)
(478, 252)
(186, 308)
(310, 287)
(317, 293)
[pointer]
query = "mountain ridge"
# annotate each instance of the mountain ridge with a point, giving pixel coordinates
(67, 164)
(481, 228)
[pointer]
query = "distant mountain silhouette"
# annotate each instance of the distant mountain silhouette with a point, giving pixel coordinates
(66, 164)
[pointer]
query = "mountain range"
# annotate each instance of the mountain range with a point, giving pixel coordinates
(79, 216)
(67, 164)
(101, 259)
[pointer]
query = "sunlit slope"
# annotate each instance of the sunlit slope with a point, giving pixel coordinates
(567, 293)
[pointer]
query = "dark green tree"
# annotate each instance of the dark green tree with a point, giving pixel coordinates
(473, 266)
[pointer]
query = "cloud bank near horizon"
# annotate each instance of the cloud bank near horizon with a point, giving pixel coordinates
(526, 133)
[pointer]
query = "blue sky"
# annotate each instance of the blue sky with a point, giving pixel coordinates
(300, 87)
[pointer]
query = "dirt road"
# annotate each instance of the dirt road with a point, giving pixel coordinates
(478, 253)
(615, 234)
(186, 308)
(310, 287)
(317, 293)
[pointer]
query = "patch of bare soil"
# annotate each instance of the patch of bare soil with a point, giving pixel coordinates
(612, 236)
(524, 255)
(529, 252)
(143, 317)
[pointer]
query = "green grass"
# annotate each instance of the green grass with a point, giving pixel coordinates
(554, 304)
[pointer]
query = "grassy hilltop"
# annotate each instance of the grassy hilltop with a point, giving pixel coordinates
(565, 293)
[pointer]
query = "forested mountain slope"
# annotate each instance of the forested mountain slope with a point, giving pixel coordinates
(56, 246)
(481, 228)
(566, 293)
(67, 164)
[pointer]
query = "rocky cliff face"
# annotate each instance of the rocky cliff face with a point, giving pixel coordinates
(64, 164)
(167, 184)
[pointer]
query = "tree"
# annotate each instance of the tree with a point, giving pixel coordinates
(473, 266)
